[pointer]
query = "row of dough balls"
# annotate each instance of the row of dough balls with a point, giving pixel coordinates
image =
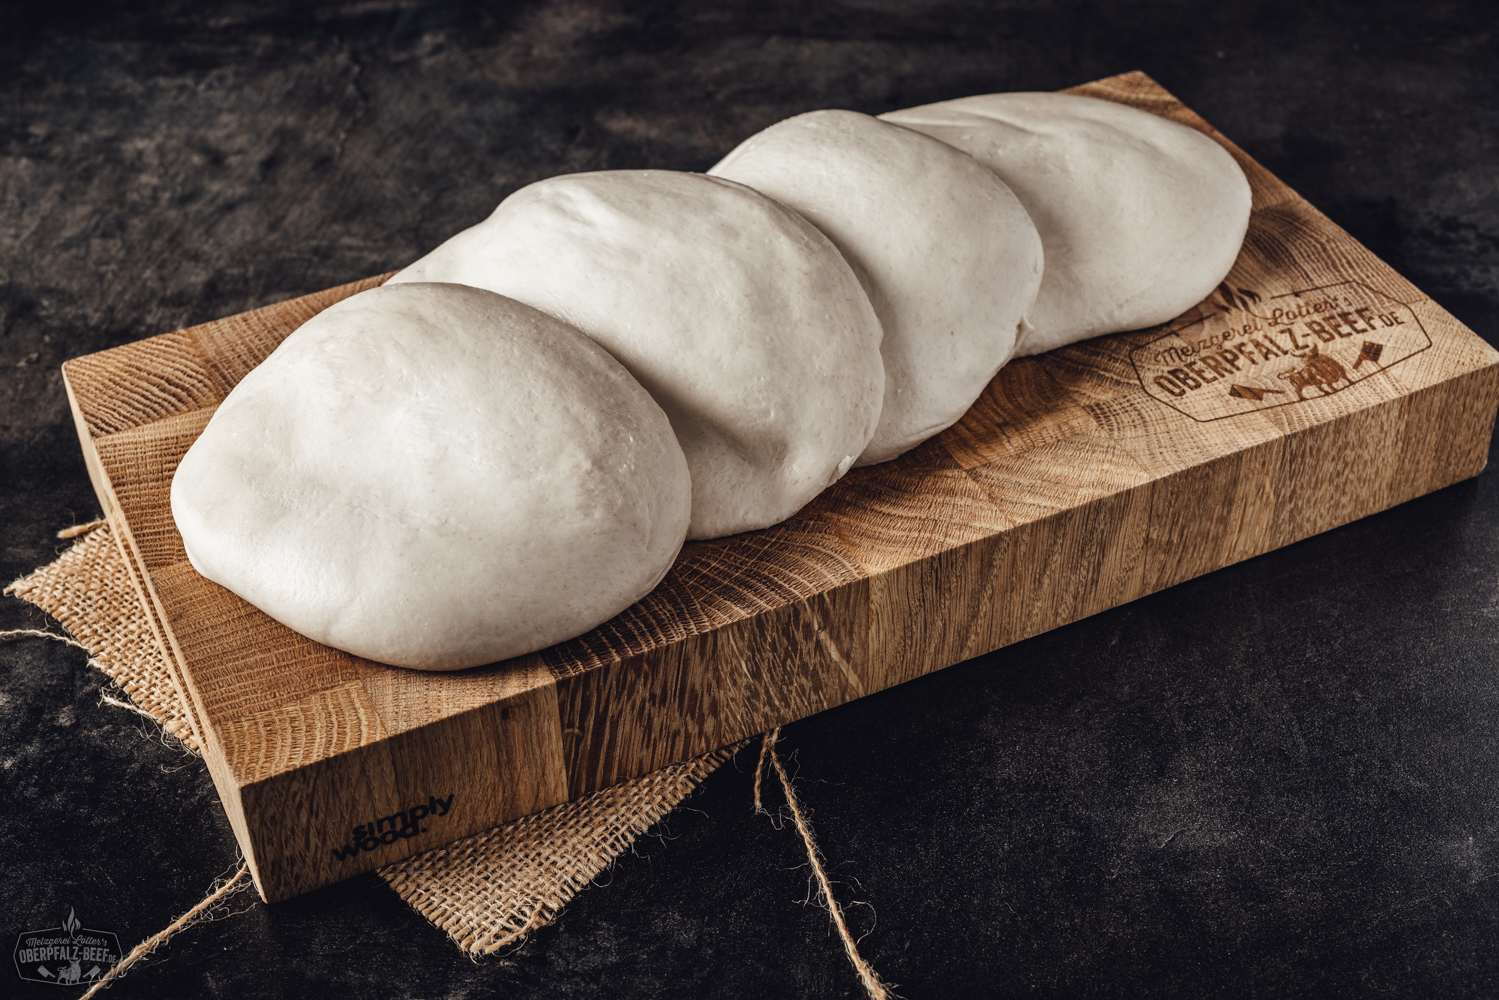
(507, 443)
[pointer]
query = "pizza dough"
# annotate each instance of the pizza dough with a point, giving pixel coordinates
(949, 258)
(739, 317)
(436, 477)
(1140, 217)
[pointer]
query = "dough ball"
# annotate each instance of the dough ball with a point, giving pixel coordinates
(1140, 217)
(436, 477)
(738, 316)
(945, 251)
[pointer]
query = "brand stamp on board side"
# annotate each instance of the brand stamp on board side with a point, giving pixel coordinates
(401, 825)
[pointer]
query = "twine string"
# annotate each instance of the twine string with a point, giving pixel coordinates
(151, 943)
(760, 770)
(81, 529)
(19, 633)
(873, 985)
(108, 699)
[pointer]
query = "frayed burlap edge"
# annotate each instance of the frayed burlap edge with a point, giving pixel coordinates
(494, 888)
(485, 891)
(88, 590)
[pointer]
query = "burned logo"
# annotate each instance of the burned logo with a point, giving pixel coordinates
(1251, 353)
(401, 825)
(66, 955)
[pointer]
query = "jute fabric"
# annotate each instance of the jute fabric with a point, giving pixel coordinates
(88, 590)
(485, 891)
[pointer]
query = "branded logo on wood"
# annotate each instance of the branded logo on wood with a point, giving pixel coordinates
(1253, 353)
(401, 825)
(66, 955)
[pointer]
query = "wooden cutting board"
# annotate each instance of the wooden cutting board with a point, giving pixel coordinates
(1314, 387)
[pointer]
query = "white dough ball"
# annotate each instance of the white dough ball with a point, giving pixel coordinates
(437, 477)
(1140, 217)
(950, 259)
(738, 316)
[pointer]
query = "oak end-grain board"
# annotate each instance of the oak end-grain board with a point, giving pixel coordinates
(1316, 386)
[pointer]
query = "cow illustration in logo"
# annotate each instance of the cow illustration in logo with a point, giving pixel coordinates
(70, 975)
(1318, 371)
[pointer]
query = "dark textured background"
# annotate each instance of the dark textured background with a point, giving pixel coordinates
(1278, 780)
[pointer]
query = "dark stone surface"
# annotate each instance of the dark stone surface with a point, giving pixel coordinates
(1277, 780)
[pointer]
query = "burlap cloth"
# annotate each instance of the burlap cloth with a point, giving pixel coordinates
(485, 891)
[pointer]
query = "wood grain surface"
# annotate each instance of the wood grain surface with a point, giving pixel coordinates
(1314, 387)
